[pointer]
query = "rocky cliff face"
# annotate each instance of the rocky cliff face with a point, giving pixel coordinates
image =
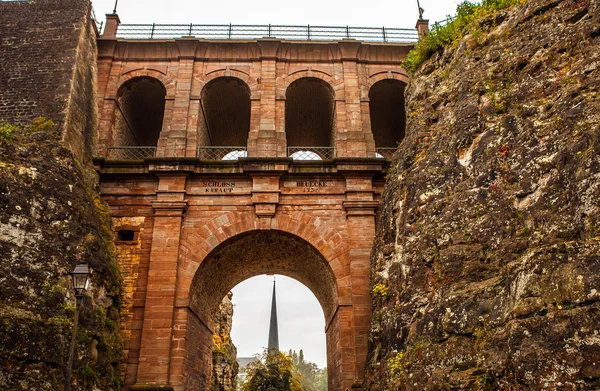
(51, 219)
(223, 348)
(486, 267)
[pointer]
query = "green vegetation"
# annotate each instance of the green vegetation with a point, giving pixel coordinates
(395, 363)
(380, 290)
(273, 370)
(311, 377)
(446, 35)
(7, 131)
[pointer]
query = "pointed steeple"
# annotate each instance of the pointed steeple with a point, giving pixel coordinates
(273, 330)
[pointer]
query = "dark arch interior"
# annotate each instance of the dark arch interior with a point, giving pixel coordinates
(388, 115)
(261, 252)
(141, 108)
(225, 112)
(309, 117)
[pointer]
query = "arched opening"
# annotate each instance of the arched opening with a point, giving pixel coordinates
(388, 115)
(309, 117)
(224, 119)
(140, 112)
(240, 258)
(300, 331)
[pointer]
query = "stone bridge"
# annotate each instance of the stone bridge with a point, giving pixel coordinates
(222, 160)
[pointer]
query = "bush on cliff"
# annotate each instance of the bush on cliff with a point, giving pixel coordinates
(444, 35)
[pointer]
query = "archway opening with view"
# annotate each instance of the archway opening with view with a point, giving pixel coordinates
(245, 256)
(270, 308)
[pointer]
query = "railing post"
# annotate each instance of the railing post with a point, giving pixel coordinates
(308, 32)
(112, 25)
(422, 28)
(152, 32)
(229, 35)
(190, 32)
(347, 32)
(384, 38)
(269, 30)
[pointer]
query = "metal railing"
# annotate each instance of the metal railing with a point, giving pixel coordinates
(250, 32)
(385, 152)
(442, 23)
(130, 153)
(221, 153)
(311, 153)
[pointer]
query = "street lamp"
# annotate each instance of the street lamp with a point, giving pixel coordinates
(223, 367)
(81, 282)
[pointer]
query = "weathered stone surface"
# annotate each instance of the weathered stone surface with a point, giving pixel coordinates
(48, 67)
(223, 348)
(50, 220)
(487, 259)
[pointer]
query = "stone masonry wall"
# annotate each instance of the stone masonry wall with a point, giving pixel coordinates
(48, 67)
(486, 266)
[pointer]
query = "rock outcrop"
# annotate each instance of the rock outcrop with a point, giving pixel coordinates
(486, 267)
(223, 348)
(51, 218)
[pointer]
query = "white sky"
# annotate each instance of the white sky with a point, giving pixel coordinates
(399, 13)
(301, 321)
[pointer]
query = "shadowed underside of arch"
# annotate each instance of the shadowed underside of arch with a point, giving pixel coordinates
(261, 252)
(237, 259)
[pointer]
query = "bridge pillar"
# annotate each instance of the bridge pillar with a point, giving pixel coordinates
(351, 141)
(157, 331)
(270, 142)
(360, 214)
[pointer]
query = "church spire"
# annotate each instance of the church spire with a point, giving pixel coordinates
(273, 330)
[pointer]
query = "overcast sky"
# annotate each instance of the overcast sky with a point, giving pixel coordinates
(301, 320)
(399, 13)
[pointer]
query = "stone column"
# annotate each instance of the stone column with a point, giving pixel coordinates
(351, 141)
(422, 28)
(173, 138)
(268, 143)
(360, 213)
(157, 330)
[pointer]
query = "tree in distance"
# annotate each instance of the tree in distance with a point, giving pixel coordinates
(277, 371)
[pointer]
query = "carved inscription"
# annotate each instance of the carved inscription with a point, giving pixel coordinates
(310, 186)
(218, 187)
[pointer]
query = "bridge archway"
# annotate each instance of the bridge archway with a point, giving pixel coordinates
(244, 256)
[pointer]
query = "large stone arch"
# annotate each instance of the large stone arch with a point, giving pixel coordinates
(232, 248)
(206, 237)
